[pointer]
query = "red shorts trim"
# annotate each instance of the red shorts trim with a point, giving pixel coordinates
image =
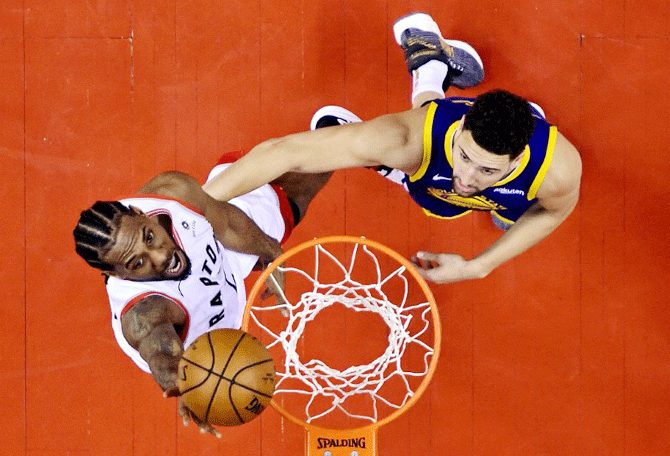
(231, 157)
(286, 211)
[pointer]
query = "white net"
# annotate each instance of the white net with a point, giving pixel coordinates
(327, 388)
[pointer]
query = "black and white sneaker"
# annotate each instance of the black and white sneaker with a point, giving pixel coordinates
(419, 36)
(330, 116)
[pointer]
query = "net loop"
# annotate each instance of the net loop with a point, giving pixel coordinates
(313, 378)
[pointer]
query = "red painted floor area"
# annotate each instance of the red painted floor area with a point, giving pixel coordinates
(563, 351)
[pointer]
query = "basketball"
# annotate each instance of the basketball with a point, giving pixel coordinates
(226, 377)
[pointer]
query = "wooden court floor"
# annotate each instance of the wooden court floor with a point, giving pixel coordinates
(562, 351)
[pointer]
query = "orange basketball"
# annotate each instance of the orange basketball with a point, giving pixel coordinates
(226, 377)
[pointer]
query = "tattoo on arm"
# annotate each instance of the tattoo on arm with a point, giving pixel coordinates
(162, 350)
(135, 326)
(149, 327)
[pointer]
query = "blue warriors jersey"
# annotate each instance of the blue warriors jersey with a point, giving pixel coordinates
(508, 199)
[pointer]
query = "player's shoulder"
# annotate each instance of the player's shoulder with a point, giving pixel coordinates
(448, 110)
(565, 171)
(178, 186)
(458, 101)
(173, 184)
(460, 104)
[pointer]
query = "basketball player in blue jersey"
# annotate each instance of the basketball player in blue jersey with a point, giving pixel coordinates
(175, 260)
(494, 153)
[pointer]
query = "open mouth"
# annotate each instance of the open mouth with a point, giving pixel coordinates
(176, 266)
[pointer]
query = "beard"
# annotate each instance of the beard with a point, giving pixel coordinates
(184, 265)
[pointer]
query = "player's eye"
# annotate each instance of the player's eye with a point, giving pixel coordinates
(464, 157)
(487, 171)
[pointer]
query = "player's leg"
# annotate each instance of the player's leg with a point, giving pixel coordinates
(300, 189)
(435, 63)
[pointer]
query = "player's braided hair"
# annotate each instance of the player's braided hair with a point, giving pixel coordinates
(500, 122)
(94, 235)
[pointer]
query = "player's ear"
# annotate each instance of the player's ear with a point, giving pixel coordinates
(135, 210)
(461, 124)
(110, 273)
(517, 159)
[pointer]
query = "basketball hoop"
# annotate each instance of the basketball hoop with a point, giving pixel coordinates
(341, 408)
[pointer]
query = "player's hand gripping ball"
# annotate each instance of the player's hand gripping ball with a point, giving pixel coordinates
(226, 377)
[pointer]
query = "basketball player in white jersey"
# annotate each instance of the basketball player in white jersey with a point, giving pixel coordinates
(175, 261)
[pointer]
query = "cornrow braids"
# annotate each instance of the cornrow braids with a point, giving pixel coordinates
(500, 122)
(94, 235)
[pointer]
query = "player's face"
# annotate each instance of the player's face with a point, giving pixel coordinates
(144, 250)
(475, 168)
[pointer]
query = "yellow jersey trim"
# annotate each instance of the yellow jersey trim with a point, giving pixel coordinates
(551, 144)
(519, 169)
(447, 143)
(427, 143)
(500, 217)
(427, 212)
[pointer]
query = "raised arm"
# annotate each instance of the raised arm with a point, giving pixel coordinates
(556, 198)
(150, 327)
(232, 227)
(393, 140)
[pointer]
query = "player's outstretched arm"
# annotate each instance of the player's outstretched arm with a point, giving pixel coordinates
(393, 140)
(556, 198)
(150, 327)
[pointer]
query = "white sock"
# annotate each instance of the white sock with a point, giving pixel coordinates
(429, 78)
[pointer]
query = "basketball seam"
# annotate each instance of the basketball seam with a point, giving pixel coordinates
(221, 376)
(209, 372)
(234, 382)
(216, 388)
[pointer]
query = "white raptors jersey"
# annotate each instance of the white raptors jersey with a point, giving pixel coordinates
(212, 296)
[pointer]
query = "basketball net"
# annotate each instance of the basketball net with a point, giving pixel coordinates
(332, 278)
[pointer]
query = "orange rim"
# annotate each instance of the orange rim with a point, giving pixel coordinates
(437, 331)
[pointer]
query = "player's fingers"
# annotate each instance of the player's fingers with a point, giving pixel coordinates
(429, 260)
(430, 275)
(209, 428)
(427, 256)
(266, 294)
(205, 426)
(185, 414)
(419, 265)
(172, 392)
(422, 263)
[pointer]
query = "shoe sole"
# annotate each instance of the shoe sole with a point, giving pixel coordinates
(423, 21)
(335, 111)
